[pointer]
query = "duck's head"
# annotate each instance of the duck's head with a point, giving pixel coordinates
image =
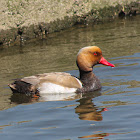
(87, 57)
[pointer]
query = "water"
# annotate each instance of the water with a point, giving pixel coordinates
(111, 113)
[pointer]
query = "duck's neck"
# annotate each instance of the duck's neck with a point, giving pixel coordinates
(90, 82)
(86, 76)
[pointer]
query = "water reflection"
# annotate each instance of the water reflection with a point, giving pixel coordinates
(95, 136)
(101, 135)
(22, 98)
(60, 97)
(87, 110)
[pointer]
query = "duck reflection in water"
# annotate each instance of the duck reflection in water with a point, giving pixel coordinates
(98, 136)
(23, 98)
(87, 110)
(17, 98)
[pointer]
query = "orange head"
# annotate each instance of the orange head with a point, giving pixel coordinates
(87, 57)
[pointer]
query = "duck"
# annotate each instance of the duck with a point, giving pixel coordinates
(62, 82)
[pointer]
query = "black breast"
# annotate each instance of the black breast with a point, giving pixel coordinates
(89, 85)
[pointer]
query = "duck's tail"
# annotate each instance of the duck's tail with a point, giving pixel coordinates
(19, 86)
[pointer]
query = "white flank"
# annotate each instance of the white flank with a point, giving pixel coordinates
(54, 88)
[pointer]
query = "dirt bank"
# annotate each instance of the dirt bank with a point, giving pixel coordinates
(22, 20)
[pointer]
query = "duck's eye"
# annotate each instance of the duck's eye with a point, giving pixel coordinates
(95, 53)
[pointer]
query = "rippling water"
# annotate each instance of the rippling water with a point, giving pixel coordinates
(111, 113)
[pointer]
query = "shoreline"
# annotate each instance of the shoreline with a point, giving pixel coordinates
(22, 21)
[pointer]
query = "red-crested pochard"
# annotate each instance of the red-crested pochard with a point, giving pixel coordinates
(60, 82)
